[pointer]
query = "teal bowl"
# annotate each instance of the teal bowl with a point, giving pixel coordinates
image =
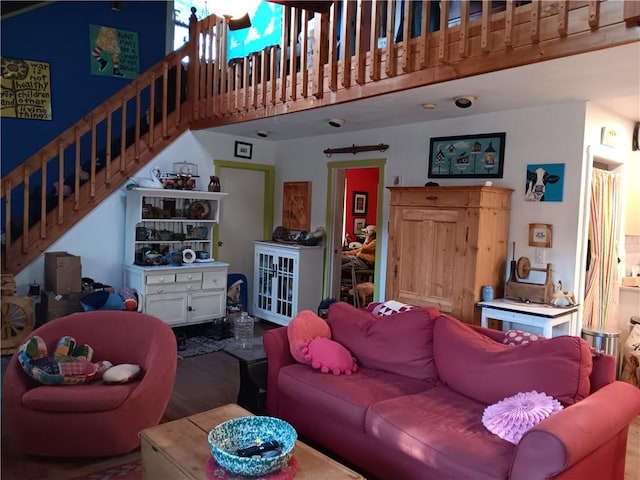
(233, 435)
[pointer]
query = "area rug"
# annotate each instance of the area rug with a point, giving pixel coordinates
(127, 471)
(201, 345)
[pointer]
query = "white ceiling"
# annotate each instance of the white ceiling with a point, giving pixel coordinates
(609, 78)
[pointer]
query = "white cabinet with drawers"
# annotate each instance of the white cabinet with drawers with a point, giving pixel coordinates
(181, 295)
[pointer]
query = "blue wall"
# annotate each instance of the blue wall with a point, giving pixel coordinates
(58, 33)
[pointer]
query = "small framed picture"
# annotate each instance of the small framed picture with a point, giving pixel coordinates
(358, 225)
(243, 150)
(360, 203)
(540, 235)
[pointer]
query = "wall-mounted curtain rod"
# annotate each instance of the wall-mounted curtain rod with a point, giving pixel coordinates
(381, 147)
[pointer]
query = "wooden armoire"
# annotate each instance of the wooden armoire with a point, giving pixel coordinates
(445, 243)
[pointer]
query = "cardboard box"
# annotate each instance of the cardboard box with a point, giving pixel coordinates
(55, 305)
(62, 273)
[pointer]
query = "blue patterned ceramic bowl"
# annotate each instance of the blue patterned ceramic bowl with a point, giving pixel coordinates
(239, 433)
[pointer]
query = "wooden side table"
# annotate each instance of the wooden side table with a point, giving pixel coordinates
(252, 361)
(546, 320)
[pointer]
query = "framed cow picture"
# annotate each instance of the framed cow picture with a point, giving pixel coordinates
(544, 182)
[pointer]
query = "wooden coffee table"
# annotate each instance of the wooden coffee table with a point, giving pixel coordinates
(179, 449)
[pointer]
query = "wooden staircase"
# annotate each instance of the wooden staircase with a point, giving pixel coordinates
(98, 154)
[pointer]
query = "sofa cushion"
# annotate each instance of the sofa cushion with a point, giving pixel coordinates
(302, 328)
(92, 397)
(401, 343)
(442, 429)
(329, 356)
(341, 398)
(488, 371)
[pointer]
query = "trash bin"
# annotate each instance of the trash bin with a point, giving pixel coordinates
(605, 342)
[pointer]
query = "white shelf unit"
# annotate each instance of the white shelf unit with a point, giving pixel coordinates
(287, 279)
(158, 219)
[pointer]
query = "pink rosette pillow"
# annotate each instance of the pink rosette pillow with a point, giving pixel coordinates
(512, 417)
(329, 356)
(305, 326)
(519, 337)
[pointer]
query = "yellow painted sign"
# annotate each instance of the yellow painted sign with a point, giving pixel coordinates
(25, 89)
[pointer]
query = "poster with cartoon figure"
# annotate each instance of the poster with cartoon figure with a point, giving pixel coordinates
(114, 52)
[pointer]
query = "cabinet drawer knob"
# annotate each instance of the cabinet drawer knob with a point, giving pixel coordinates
(160, 290)
(189, 277)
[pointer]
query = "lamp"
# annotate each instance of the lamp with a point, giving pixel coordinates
(235, 13)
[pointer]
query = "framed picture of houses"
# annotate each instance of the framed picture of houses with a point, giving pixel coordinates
(467, 156)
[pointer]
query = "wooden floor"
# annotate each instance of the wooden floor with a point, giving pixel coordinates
(202, 382)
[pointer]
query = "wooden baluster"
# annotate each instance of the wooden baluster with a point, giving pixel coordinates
(293, 46)
(165, 97)
(217, 78)
(485, 32)
(425, 33)
(390, 60)
(192, 69)
(320, 52)
(563, 18)
(407, 62)
(7, 217)
(247, 63)
(25, 201)
(333, 49)
(464, 29)
(210, 67)
(594, 14)
(374, 70)
(345, 42)
(508, 24)
(238, 68)
(123, 137)
(107, 159)
(225, 71)
(444, 32)
(361, 53)
(256, 71)
(274, 68)
(60, 183)
(178, 91)
(78, 168)
(304, 62)
(151, 116)
(263, 77)
(535, 22)
(138, 119)
(43, 197)
(92, 180)
(286, 28)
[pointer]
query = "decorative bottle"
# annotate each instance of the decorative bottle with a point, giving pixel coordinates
(243, 330)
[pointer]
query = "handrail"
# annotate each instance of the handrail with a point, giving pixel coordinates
(406, 45)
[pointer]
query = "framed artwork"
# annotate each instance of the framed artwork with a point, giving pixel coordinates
(296, 206)
(540, 235)
(544, 182)
(360, 203)
(467, 156)
(243, 150)
(358, 225)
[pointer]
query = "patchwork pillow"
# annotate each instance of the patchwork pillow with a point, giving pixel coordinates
(400, 343)
(519, 337)
(305, 326)
(512, 417)
(488, 371)
(329, 356)
(70, 363)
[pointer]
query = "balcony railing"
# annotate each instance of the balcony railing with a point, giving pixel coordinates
(357, 50)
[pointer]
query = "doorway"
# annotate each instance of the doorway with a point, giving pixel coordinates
(336, 219)
(248, 185)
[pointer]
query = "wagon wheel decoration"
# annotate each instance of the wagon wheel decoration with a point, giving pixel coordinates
(18, 321)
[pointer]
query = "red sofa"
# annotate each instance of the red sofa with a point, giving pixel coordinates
(93, 419)
(414, 408)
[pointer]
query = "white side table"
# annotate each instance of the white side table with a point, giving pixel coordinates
(546, 320)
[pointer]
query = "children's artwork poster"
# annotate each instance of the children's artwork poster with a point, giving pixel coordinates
(544, 182)
(26, 89)
(114, 52)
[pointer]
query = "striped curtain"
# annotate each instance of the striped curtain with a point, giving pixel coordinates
(601, 297)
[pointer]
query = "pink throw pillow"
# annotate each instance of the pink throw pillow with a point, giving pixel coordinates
(329, 356)
(488, 371)
(305, 326)
(400, 343)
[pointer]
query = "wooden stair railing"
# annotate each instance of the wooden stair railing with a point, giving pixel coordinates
(293, 76)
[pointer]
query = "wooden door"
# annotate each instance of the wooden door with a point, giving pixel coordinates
(426, 258)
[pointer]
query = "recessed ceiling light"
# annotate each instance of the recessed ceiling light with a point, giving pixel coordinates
(464, 101)
(429, 106)
(336, 122)
(262, 133)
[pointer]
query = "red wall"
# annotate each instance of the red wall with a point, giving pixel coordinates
(361, 180)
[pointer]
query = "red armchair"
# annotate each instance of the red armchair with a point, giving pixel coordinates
(94, 419)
